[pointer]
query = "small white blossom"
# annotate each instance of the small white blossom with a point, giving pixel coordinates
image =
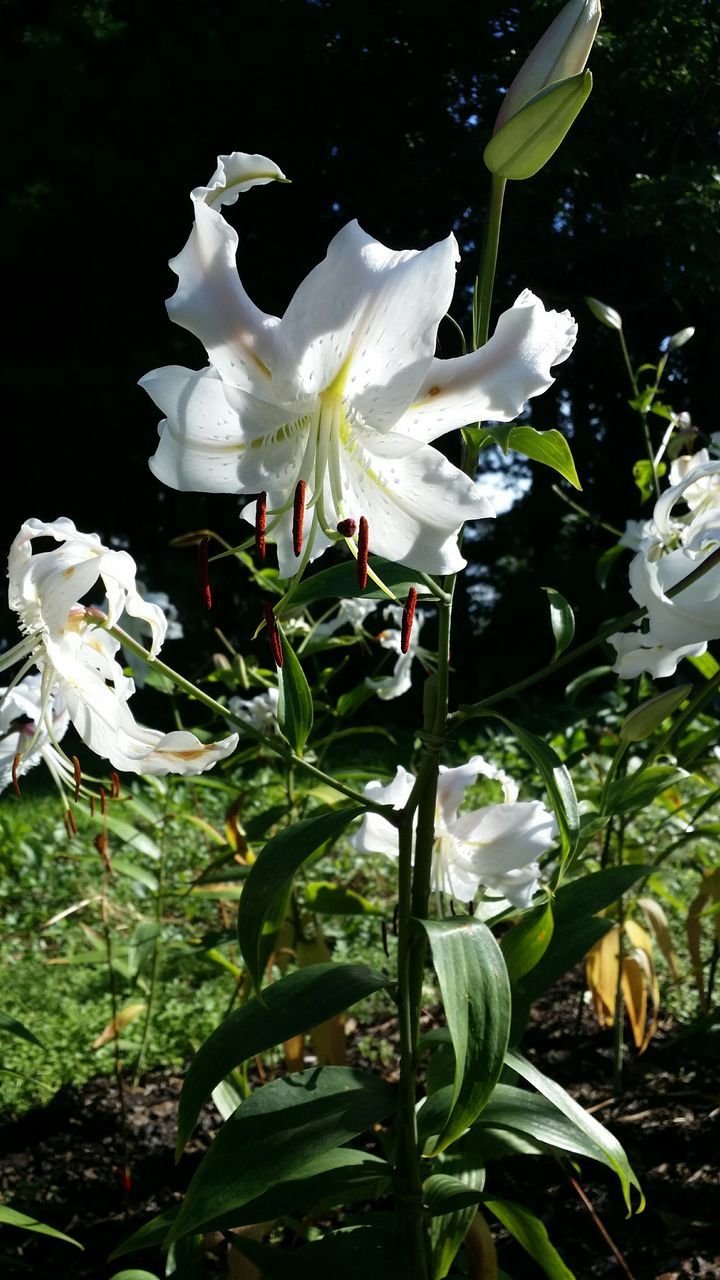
(259, 712)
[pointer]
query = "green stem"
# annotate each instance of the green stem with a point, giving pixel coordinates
(277, 746)
(408, 1183)
(481, 312)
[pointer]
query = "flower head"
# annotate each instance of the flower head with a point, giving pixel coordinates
(679, 625)
(77, 656)
(496, 846)
(337, 402)
(259, 712)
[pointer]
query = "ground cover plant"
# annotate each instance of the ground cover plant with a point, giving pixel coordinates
(341, 924)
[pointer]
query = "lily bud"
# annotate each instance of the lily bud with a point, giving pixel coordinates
(562, 52)
(682, 336)
(605, 314)
(532, 136)
(643, 720)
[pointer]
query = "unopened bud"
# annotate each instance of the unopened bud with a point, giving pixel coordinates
(561, 53)
(408, 614)
(298, 516)
(260, 524)
(532, 136)
(203, 575)
(605, 314)
(347, 527)
(681, 337)
(643, 720)
(363, 546)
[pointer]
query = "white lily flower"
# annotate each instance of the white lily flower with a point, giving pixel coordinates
(78, 656)
(24, 735)
(259, 712)
(704, 492)
(496, 846)
(343, 394)
(395, 685)
(351, 612)
(638, 533)
(676, 626)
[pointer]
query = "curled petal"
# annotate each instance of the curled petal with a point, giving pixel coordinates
(375, 834)
(492, 384)
(505, 837)
(453, 783)
(209, 300)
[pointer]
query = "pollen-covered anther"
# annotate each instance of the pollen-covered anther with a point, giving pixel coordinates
(260, 524)
(347, 528)
(14, 773)
(408, 615)
(114, 786)
(298, 516)
(70, 824)
(203, 574)
(273, 635)
(103, 801)
(363, 548)
(77, 771)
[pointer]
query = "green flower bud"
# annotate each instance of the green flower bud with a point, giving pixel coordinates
(644, 720)
(561, 53)
(530, 137)
(605, 314)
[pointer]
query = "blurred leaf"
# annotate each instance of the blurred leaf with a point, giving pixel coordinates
(335, 900)
(15, 1028)
(117, 1024)
(562, 620)
(640, 789)
(527, 941)
(12, 1218)
(531, 1234)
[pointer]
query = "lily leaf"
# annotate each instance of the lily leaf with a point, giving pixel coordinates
(549, 447)
(295, 704)
(562, 620)
(13, 1218)
(476, 997)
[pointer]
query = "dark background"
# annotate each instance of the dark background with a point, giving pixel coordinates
(377, 111)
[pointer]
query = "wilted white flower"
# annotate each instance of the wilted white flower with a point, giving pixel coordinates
(350, 613)
(77, 656)
(331, 409)
(496, 846)
(395, 685)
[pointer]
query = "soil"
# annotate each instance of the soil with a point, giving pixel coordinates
(64, 1163)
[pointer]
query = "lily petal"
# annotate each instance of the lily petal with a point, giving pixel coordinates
(453, 783)
(367, 318)
(413, 498)
(493, 383)
(209, 300)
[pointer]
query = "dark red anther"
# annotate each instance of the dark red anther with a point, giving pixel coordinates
(347, 527)
(203, 575)
(16, 784)
(273, 635)
(260, 524)
(298, 516)
(114, 786)
(103, 802)
(363, 543)
(408, 615)
(124, 1178)
(78, 775)
(70, 824)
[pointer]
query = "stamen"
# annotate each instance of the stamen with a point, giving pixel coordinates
(15, 764)
(115, 786)
(363, 546)
(408, 615)
(203, 575)
(103, 802)
(260, 524)
(298, 516)
(273, 635)
(78, 775)
(70, 824)
(347, 528)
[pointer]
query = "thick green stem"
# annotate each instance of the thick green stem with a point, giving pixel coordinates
(481, 312)
(408, 1182)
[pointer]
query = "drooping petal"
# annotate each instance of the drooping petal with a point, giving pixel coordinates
(634, 656)
(493, 384)
(503, 837)
(207, 440)
(413, 498)
(367, 317)
(44, 586)
(26, 726)
(209, 300)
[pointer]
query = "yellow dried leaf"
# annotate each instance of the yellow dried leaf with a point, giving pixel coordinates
(294, 1050)
(122, 1019)
(635, 995)
(327, 1039)
(601, 968)
(480, 1250)
(658, 922)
